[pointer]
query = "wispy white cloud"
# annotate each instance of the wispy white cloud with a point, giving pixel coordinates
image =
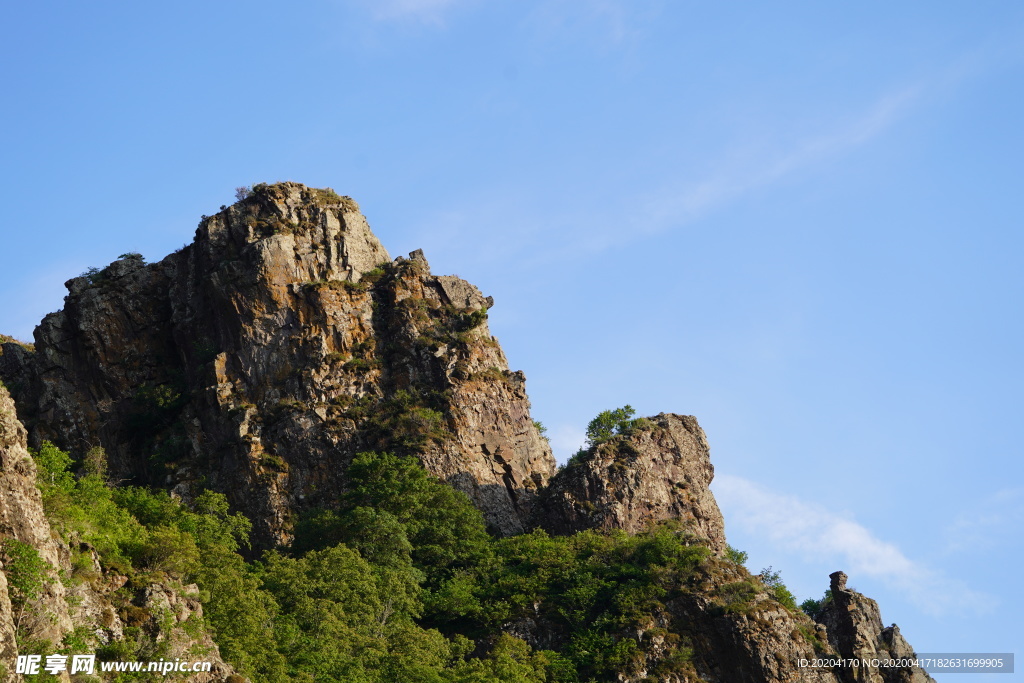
(816, 533)
(573, 233)
(995, 521)
(681, 202)
(578, 232)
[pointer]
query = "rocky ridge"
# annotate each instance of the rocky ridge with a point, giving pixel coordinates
(260, 359)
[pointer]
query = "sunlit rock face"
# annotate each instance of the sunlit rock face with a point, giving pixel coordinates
(661, 472)
(22, 518)
(260, 358)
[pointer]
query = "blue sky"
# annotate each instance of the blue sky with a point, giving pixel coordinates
(800, 224)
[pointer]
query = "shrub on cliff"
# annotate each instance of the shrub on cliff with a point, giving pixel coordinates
(609, 423)
(813, 608)
(27, 575)
(736, 556)
(83, 509)
(773, 582)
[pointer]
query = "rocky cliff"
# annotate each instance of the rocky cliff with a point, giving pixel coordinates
(88, 602)
(656, 473)
(737, 628)
(853, 624)
(22, 519)
(258, 360)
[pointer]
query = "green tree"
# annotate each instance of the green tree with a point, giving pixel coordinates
(169, 549)
(735, 556)
(594, 586)
(813, 608)
(447, 533)
(340, 620)
(773, 581)
(510, 659)
(54, 467)
(609, 423)
(95, 462)
(84, 509)
(27, 574)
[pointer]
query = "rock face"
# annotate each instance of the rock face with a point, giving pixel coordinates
(259, 359)
(66, 605)
(753, 641)
(654, 474)
(854, 626)
(738, 632)
(22, 518)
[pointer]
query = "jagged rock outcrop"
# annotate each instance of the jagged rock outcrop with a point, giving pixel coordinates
(259, 359)
(22, 518)
(159, 605)
(737, 632)
(660, 472)
(740, 634)
(91, 601)
(854, 626)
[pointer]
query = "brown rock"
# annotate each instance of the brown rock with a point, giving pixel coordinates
(654, 474)
(22, 518)
(177, 605)
(259, 359)
(854, 626)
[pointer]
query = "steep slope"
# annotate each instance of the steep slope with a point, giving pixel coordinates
(738, 630)
(259, 359)
(22, 519)
(88, 603)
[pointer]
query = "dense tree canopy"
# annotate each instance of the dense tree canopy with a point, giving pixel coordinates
(399, 582)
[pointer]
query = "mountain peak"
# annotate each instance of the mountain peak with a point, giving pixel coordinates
(262, 359)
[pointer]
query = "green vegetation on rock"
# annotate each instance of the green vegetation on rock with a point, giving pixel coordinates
(609, 423)
(400, 582)
(27, 575)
